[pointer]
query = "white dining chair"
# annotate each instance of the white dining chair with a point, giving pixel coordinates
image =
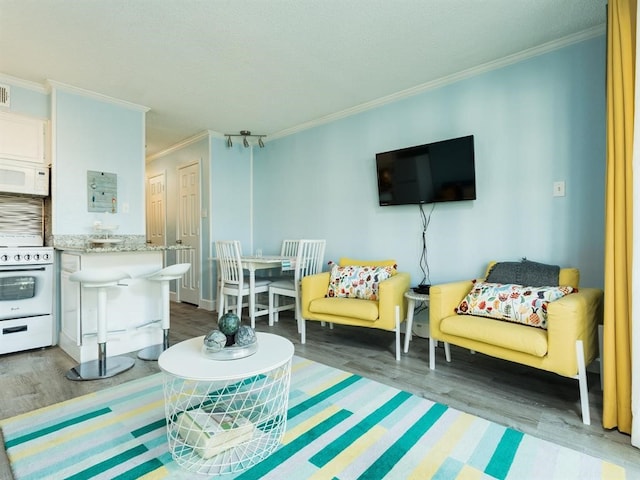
(308, 262)
(232, 281)
(289, 248)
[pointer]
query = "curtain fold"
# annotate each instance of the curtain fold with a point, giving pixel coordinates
(617, 341)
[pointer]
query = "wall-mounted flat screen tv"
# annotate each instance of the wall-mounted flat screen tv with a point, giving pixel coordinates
(434, 172)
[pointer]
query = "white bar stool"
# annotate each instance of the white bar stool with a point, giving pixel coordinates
(103, 367)
(164, 276)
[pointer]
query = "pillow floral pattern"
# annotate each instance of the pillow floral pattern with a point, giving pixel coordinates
(514, 303)
(357, 281)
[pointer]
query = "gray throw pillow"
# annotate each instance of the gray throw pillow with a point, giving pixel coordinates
(505, 272)
(526, 273)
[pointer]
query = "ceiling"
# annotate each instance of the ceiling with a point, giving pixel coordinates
(269, 66)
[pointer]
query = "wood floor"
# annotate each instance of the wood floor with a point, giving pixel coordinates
(538, 403)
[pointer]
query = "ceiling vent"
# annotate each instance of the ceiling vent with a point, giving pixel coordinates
(5, 96)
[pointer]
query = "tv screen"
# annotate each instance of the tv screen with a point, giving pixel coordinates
(434, 172)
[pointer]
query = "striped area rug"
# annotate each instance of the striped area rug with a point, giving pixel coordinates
(339, 426)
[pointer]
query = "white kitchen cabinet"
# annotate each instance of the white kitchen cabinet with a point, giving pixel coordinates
(23, 138)
(134, 307)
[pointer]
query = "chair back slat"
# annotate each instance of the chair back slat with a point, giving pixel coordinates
(289, 248)
(309, 259)
(229, 261)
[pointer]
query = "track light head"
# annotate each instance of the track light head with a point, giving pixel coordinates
(245, 134)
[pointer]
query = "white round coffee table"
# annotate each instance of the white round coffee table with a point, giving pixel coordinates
(225, 416)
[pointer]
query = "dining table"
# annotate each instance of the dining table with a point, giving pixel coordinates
(252, 263)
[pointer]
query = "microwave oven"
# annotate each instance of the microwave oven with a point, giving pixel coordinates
(24, 178)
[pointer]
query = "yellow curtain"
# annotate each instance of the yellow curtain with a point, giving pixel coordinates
(621, 32)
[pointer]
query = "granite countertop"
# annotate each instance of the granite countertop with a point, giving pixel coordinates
(119, 248)
(116, 244)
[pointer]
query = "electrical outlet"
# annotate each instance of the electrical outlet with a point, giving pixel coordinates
(558, 189)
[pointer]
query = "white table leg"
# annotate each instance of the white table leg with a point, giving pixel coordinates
(252, 298)
(411, 305)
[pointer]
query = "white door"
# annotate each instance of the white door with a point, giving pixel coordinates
(189, 231)
(156, 210)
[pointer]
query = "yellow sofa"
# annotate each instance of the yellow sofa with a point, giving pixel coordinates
(379, 314)
(566, 347)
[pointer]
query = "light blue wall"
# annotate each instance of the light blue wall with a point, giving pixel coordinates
(535, 122)
(91, 134)
(231, 193)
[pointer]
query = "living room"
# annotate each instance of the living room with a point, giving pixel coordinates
(537, 118)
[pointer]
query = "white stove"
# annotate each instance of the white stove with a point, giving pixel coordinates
(26, 298)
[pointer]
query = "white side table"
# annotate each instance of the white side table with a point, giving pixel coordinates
(253, 392)
(412, 298)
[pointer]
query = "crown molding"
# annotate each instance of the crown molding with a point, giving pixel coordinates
(98, 96)
(183, 143)
(19, 82)
(449, 79)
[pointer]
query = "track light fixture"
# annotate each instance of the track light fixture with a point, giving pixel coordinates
(245, 134)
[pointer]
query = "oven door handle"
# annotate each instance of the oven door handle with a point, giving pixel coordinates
(22, 269)
(8, 330)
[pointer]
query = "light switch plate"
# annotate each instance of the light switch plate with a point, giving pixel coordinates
(558, 189)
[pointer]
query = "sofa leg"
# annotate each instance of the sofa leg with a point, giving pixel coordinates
(302, 325)
(582, 382)
(447, 352)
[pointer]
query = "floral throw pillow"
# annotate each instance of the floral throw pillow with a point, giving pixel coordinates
(357, 281)
(513, 303)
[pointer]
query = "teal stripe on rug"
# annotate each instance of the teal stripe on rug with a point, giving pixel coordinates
(504, 454)
(332, 450)
(388, 459)
(140, 470)
(102, 467)
(54, 428)
(322, 396)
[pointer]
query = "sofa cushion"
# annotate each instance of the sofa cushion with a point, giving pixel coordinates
(513, 303)
(346, 307)
(355, 281)
(513, 336)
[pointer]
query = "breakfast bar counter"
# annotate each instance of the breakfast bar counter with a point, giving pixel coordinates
(134, 306)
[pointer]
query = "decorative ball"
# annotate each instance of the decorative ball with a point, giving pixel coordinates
(245, 336)
(215, 340)
(229, 323)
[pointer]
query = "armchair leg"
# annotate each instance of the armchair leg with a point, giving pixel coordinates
(432, 353)
(302, 324)
(582, 382)
(447, 352)
(397, 333)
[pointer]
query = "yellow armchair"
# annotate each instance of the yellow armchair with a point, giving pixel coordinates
(569, 343)
(380, 314)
